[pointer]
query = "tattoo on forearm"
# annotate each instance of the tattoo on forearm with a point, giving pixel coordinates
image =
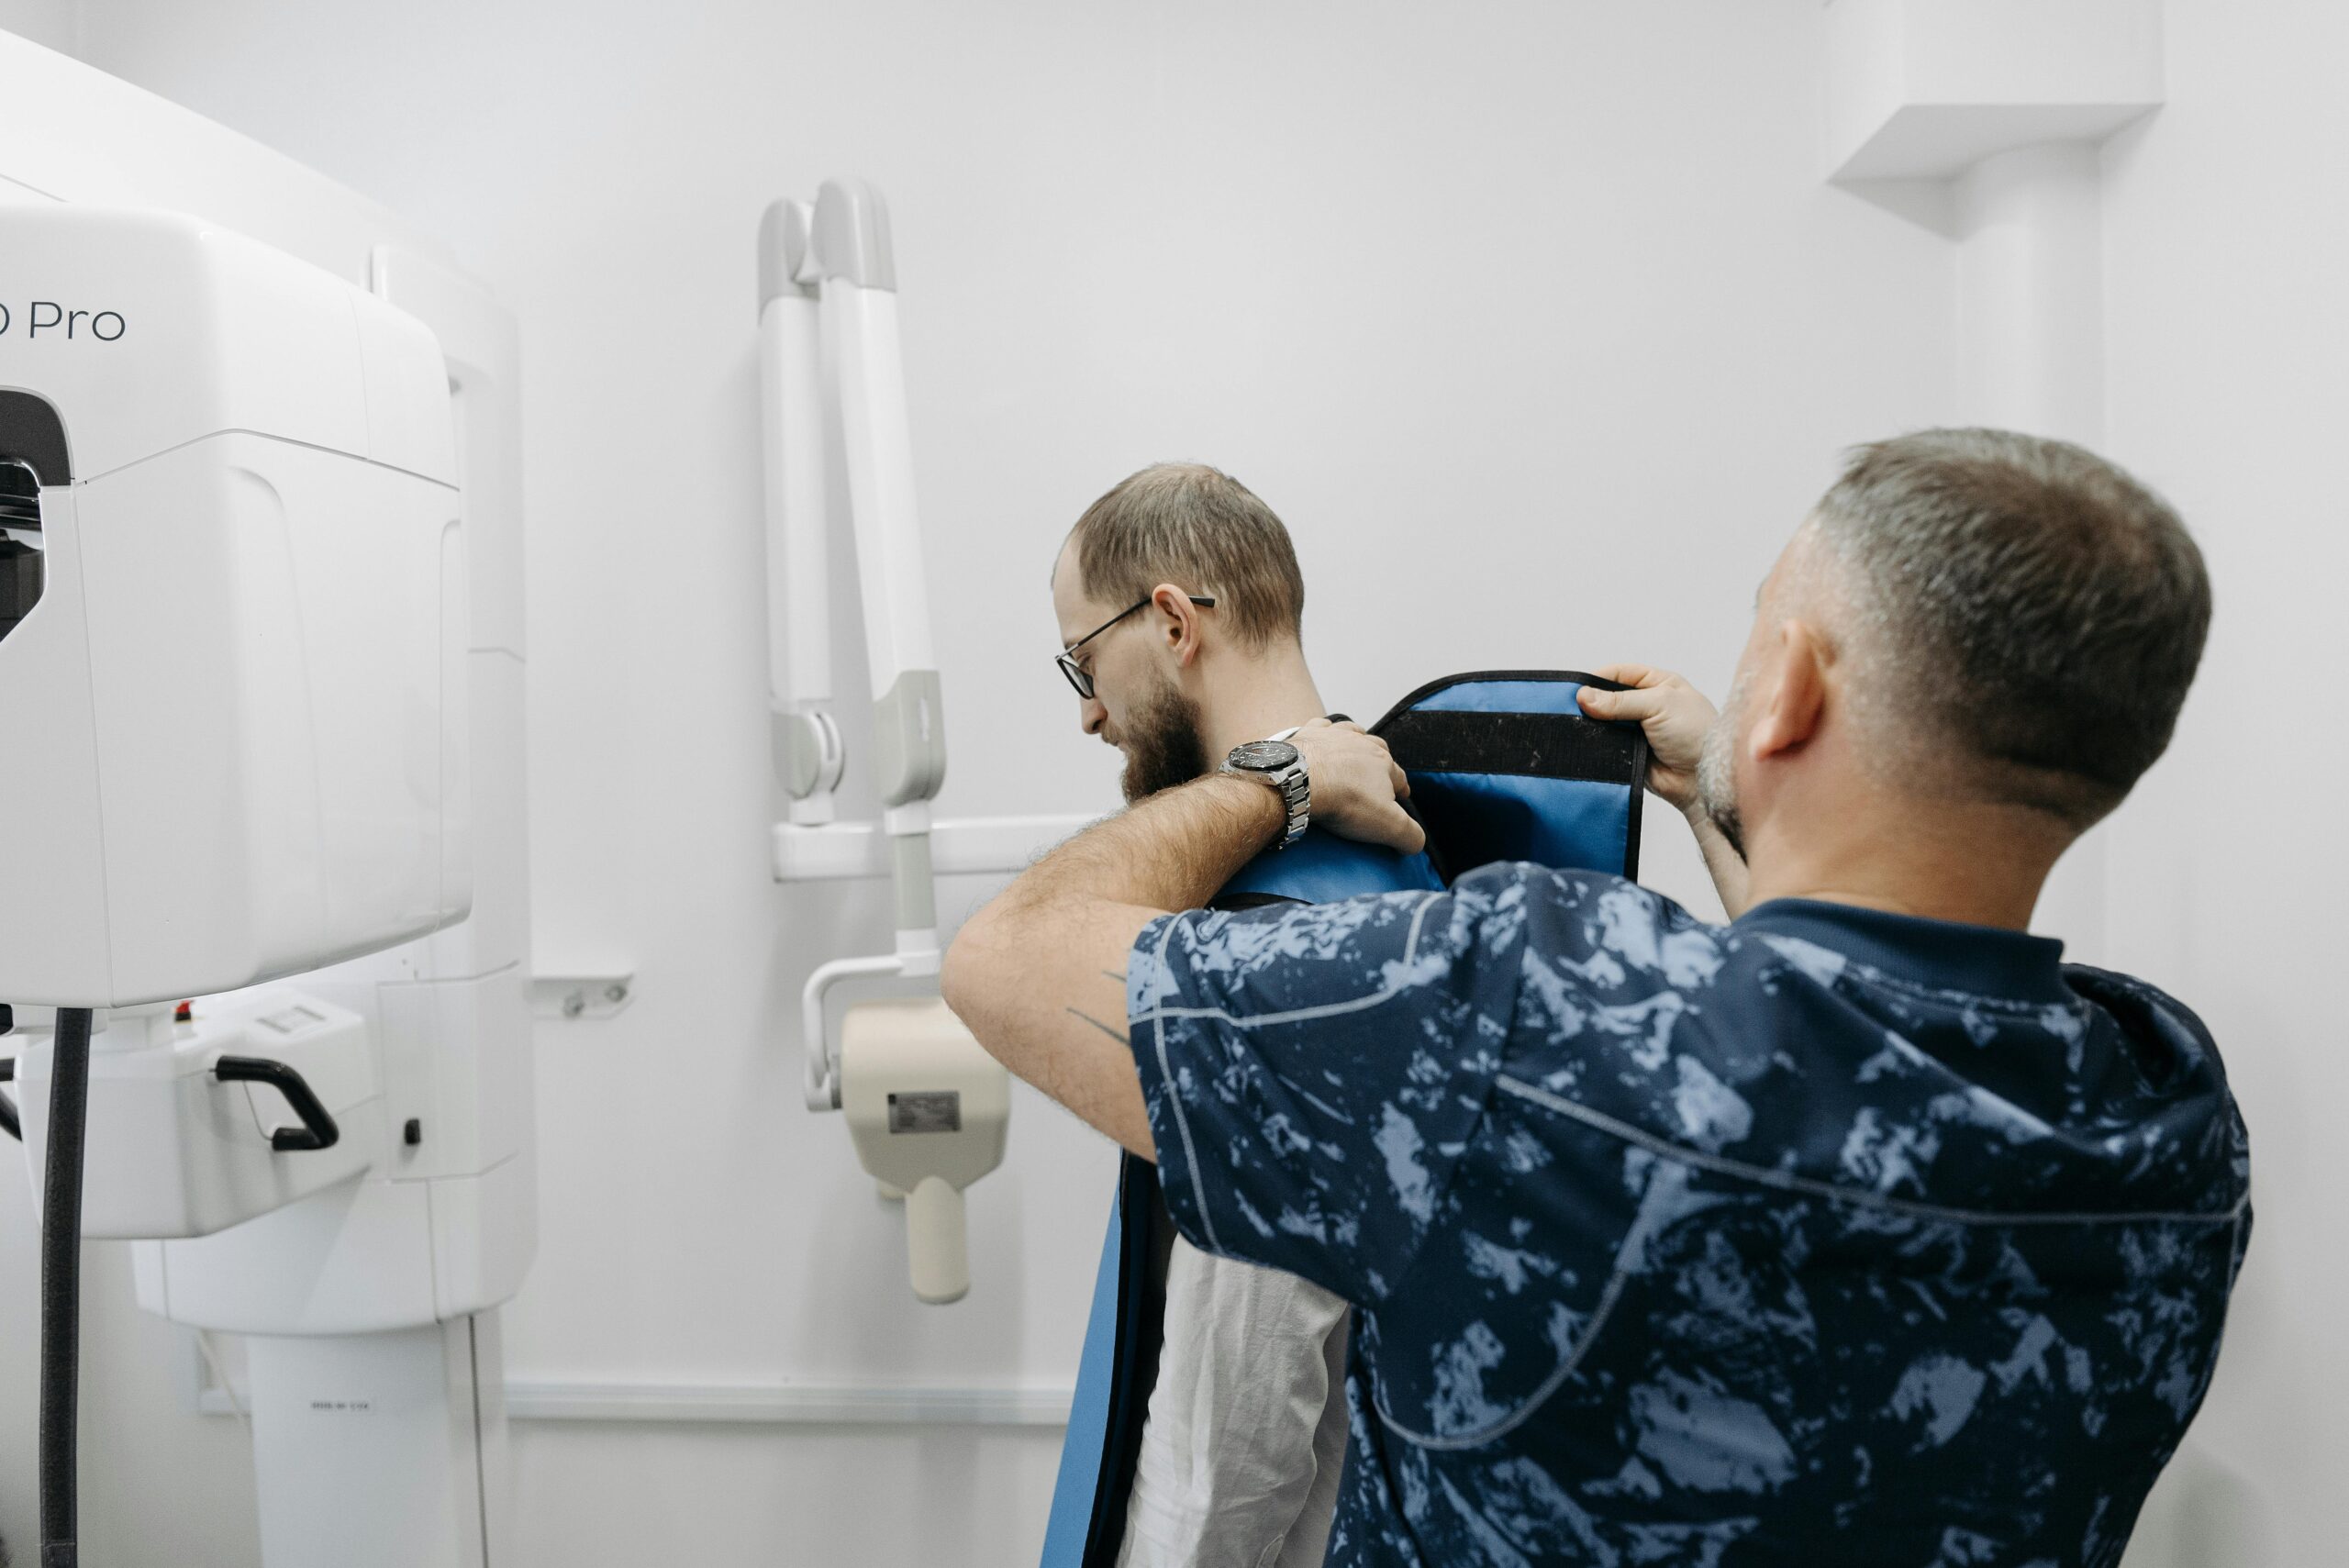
(1117, 1034)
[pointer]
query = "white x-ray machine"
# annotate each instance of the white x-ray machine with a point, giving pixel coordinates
(927, 1108)
(260, 691)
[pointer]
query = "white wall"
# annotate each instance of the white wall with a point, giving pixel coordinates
(1536, 323)
(2226, 244)
(49, 23)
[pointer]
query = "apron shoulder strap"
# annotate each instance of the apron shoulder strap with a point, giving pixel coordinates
(1504, 766)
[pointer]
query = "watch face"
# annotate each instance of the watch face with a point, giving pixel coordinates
(1263, 756)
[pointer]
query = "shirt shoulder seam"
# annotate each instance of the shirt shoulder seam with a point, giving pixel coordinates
(1386, 993)
(1788, 1181)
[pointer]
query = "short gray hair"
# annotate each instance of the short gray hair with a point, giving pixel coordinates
(1202, 529)
(2033, 604)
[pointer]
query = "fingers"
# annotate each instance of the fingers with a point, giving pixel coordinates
(1635, 674)
(1358, 787)
(1395, 828)
(1396, 776)
(1637, 705)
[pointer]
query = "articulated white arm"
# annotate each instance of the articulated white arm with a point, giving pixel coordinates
(840, 249)
(900, 1069)
(799, 645)
(858, 281)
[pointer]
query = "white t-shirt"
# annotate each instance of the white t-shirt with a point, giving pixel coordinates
(1246, 1430)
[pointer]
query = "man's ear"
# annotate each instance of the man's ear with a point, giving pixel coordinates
(1795, 701)
(1179, 623)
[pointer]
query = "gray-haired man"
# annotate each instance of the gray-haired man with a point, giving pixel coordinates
(1861, 1230)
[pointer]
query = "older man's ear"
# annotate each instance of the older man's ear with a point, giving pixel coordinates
(1791, 698)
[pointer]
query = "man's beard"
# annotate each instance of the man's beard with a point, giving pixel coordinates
(1162, 743)
(1717, 771)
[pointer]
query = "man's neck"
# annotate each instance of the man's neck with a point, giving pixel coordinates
(1979, 866)
(1259, 698)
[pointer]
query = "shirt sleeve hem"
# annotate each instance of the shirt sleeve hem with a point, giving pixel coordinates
(1161, 1095)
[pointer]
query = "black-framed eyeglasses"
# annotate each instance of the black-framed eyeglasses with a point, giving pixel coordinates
(1082, 678)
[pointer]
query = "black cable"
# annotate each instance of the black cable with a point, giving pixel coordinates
(14, 1128)
(60, 1284)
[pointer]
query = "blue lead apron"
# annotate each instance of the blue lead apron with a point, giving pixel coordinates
(1503, 767)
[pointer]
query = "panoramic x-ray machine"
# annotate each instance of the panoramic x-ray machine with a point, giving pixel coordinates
(927, 1108)
(254, 730)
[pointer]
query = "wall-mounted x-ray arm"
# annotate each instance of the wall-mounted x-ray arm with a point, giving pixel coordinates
(833, 375)
(828, 321)
(800, 424)
(927, 1108)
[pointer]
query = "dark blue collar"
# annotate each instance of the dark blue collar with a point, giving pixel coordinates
(1946, 955)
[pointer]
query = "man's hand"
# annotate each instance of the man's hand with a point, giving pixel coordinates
(1357, 785)
(1674, 715)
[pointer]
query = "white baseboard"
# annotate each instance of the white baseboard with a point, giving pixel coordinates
(828, 1404)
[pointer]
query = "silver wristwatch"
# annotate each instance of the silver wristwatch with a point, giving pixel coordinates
(1279, 765)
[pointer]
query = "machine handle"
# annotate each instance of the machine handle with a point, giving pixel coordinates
(8, 1122)
(319, 1129)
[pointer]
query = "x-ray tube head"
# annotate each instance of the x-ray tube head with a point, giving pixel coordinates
(929, 1110)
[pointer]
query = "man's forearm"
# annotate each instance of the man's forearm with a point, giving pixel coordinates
(1171, 851)
(1039, 974)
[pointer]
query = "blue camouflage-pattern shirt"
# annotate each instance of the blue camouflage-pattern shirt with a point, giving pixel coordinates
(1828, 1237)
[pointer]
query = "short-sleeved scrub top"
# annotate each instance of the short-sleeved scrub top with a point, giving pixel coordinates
(1828, 1237)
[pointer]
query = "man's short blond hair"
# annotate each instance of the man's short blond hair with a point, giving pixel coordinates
(1202, 530)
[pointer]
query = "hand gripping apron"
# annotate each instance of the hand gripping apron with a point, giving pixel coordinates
(1503, 767)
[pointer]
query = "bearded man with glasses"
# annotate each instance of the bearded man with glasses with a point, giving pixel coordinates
(1180, 605)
